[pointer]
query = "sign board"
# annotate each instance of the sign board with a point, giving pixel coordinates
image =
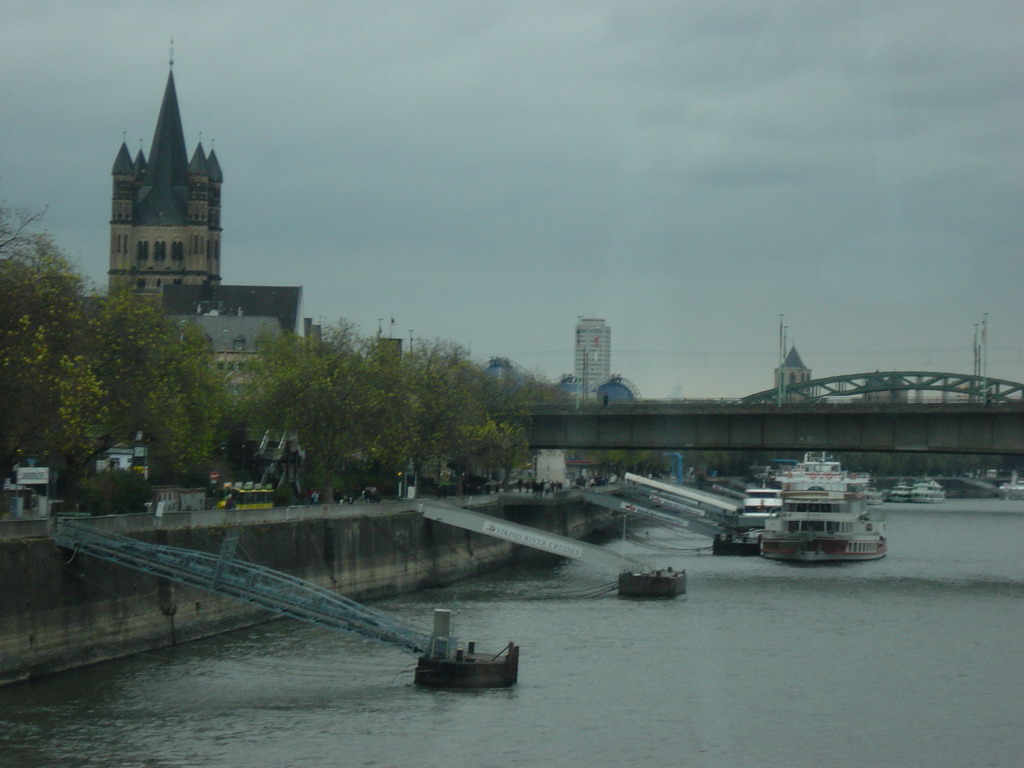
(33, 475)
(214, 477)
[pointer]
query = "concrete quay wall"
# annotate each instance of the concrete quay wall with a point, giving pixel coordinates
(59, 611)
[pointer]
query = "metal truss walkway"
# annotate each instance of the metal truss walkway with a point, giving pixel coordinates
(224, 575)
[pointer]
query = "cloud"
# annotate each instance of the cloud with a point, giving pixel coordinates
(487, 172)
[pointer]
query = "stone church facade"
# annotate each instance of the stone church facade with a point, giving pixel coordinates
(165, 217)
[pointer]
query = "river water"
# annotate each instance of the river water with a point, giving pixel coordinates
(913, 660)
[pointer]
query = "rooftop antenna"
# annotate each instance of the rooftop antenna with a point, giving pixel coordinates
(782, 360)
(984, 358)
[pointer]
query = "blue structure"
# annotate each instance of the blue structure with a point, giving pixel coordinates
(505, 371)
(618, 390)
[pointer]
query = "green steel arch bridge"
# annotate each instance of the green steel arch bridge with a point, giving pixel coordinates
(892, 386)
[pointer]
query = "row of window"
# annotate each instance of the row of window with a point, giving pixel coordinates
(141, 282)
(812, 506)
(827, 526)
(861, 546)
(160, 249)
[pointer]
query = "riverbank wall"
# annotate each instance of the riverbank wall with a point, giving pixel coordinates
(59, 610)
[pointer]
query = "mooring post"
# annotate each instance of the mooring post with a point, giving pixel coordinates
(442, 634)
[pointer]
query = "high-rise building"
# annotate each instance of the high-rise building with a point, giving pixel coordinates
(165, 221)
(593, 354)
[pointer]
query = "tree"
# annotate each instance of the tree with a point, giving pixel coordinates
(313, 386)
(445, 409)
(45, 380)
(157, 379)
(81, 373)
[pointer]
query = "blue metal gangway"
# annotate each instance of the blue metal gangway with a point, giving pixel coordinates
(226, 576)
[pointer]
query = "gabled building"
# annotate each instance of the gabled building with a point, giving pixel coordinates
(165, 213)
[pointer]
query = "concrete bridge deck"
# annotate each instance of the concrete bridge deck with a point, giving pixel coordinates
(727, 425)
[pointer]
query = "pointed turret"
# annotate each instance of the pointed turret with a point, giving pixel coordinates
(139, 166)
(124, 187)
(123, 162)
(164, 194)
(214, 168)
(197, 165)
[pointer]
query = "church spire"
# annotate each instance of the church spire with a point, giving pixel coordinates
(164, 193)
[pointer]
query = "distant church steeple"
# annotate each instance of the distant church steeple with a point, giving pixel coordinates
(792, 371)
(165, 219)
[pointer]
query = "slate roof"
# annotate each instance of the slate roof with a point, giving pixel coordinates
(197, 164)
(213, 167)
(163, 198)
(233, 333)
(793, 360)
(123, 163)
(280, 301)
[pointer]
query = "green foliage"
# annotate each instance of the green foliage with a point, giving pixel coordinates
(80, 373)
(363, 410)
(112, 493)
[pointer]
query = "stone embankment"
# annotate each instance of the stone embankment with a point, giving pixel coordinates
(59, 611)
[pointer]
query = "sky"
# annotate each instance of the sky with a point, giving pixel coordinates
(696, 173)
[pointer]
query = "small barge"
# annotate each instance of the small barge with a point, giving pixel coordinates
(470, 669)
(660, 583)
(448, 665)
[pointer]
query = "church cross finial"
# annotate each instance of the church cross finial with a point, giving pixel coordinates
(171, 62)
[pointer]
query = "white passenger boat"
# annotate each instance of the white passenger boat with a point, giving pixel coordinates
(818, 472)
(824, 515)
(759, 503)
(824, 526)
(927, 492)
(901, 492)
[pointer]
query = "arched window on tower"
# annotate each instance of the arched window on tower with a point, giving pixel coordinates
(142, 250)
(177, 251)
(159, 250)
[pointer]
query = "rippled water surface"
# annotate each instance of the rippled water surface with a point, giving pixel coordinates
(913, 660)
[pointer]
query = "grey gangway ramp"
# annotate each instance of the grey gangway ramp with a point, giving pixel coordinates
(224, 575)
(679, 517)
(525, 536)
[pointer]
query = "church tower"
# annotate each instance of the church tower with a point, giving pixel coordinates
(165, 215)
(792, 371)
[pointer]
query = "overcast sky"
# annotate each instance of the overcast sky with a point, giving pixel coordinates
(487, 172)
